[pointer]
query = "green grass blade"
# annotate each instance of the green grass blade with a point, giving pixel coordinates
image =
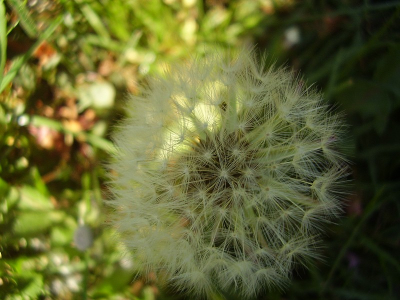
(334, 74)
(26, 21)
(371, 207)
(19, 61)
(381, 253)
(3, 39)
(95, 21)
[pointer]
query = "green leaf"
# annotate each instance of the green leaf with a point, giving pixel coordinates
(61, 236)
(35, 286)
(113, 283)
(38, 182)
(34, 222)
(3, 187)
(31, 222)
(32, 199)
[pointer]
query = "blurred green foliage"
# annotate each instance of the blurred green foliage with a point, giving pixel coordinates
(65, 69)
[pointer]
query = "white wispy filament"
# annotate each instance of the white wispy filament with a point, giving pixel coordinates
(224, 175)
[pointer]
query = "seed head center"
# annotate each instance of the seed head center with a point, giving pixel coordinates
(224, 174)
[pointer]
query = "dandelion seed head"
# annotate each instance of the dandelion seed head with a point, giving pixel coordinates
(224, 175)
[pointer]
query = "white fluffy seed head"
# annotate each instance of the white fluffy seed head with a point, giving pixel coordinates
(224, 175)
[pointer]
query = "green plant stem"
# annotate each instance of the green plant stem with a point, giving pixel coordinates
(95, 140)
(85, 276)
(372, 206)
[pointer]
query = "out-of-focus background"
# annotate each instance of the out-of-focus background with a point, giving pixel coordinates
(67, 66)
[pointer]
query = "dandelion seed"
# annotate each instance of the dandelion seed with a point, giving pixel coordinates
(225, 175)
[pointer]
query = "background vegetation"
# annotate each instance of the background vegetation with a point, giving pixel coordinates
(66, 67)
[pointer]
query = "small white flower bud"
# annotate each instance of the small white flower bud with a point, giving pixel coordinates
(83, 237)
